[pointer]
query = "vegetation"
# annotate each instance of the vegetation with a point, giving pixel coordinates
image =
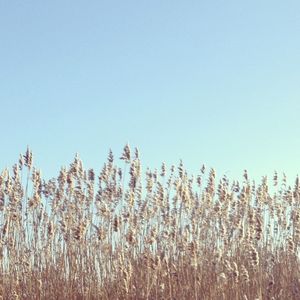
(162, 234)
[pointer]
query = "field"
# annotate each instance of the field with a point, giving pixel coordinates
(128, 233)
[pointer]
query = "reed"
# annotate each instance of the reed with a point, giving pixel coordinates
(158, 234)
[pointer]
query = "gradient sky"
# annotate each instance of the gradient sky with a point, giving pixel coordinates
(214, 82)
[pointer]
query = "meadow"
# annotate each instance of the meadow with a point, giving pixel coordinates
(133, 233)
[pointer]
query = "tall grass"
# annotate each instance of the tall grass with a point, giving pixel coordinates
(161, 234)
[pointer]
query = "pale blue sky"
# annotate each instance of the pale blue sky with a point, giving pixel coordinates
(214, 82)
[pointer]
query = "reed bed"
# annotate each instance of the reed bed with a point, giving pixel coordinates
(126, 233)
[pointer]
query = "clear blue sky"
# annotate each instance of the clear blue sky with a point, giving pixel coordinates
(214, 82)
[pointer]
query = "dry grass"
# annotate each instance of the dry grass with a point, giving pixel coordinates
(160, 234)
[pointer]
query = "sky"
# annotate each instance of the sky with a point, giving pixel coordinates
(208, 82)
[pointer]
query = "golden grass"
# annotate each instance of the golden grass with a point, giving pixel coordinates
(162, 234)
